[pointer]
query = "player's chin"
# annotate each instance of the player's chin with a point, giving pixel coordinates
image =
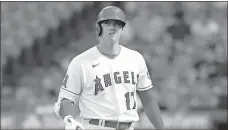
(113, 42)
(114, 38)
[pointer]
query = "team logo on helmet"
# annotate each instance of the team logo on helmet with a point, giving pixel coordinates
(115, 11)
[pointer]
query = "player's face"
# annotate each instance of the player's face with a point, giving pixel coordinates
(112, 30)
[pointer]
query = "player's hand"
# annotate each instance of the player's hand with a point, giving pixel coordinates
(72, 124)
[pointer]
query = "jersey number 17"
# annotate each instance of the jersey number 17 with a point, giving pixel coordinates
(128, 95)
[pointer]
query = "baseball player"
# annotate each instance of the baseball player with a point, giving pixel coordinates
(103, 82)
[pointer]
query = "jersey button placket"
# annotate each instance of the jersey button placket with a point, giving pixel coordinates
(112, 64)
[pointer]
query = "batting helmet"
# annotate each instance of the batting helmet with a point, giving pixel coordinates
(109, 13)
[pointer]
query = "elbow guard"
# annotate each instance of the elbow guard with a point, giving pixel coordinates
(65, 104)
(64, 108)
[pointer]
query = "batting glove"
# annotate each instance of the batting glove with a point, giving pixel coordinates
(72, 124)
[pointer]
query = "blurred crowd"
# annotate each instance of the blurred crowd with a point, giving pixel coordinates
(184, 44)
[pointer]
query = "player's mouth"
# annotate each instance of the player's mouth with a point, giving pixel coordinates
(112, 33)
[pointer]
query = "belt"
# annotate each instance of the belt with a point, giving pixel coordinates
(111, 124)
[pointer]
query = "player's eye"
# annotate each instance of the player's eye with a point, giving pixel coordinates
(117, 24)
(107, 22)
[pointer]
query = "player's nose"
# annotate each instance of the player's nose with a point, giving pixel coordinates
(112, 27)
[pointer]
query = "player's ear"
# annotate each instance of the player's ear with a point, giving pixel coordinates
(123, 26)
(122, 31)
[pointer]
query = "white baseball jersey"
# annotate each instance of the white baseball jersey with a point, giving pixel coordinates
(107, 87)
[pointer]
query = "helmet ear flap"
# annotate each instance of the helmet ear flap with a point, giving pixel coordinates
(98, 29)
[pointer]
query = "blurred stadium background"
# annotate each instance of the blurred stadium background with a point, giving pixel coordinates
(184, 44)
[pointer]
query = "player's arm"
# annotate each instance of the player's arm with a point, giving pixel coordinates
(145, 93)
(151, 108)
(70, 91)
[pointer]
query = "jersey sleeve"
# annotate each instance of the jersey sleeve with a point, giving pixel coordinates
(144, 80)
(73, 81)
